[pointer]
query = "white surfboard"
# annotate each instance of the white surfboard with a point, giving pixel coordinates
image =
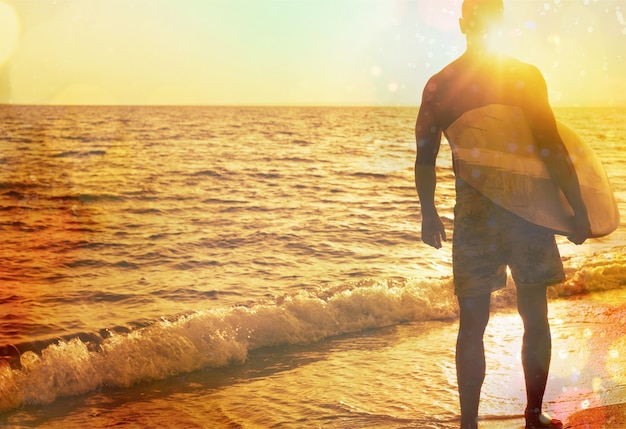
(495, 152)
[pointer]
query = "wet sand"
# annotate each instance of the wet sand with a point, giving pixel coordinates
(586, 390)
(607, 417)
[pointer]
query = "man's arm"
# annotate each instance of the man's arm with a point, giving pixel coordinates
(557, 159)
(428, 139)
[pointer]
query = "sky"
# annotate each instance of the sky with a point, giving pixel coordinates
(290, 52)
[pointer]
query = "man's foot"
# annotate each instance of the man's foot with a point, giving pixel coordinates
(537, 420)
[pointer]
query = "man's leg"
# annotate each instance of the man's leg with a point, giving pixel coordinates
(470, 356)
(532, 305)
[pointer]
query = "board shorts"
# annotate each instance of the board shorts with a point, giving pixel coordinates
(488, 238)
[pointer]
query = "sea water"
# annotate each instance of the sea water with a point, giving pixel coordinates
(261, 267)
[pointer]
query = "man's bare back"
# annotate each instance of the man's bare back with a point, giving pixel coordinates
(473, 81)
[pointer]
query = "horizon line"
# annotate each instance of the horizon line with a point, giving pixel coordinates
(280, 105)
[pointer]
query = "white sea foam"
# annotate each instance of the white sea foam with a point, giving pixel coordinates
(216, 338)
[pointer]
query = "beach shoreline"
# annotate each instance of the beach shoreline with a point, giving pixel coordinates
(604, 417)
(608, 416)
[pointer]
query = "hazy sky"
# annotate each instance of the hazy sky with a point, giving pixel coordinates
(289, 51)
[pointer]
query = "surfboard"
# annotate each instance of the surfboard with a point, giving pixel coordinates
(494, 151)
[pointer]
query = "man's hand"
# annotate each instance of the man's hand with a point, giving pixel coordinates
(582, 230)
(433, 231)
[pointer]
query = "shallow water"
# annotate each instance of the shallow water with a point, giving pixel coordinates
(400, 376)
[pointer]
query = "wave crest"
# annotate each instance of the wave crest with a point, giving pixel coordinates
(215, 338)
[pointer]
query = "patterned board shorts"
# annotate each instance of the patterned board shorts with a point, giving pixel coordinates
(488, 238)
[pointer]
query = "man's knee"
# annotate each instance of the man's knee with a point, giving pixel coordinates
(474, 314)
(532, 305)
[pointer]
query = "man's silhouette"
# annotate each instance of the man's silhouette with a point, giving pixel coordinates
(488, 238)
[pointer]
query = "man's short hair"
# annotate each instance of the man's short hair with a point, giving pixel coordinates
(479, 13)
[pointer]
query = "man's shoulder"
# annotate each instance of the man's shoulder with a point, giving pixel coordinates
(448, 70)
(515, 64)
(442, 76)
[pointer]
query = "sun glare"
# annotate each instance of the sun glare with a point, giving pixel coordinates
(615, 361)
(9, 31)
(496, 41)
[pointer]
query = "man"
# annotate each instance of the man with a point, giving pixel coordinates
(488, 238)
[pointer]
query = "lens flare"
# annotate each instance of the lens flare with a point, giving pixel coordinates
(495, 39)
(615, 358)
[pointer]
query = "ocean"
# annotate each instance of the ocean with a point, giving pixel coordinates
(261, 267)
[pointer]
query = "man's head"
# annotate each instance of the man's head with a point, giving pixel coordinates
(478, 16)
